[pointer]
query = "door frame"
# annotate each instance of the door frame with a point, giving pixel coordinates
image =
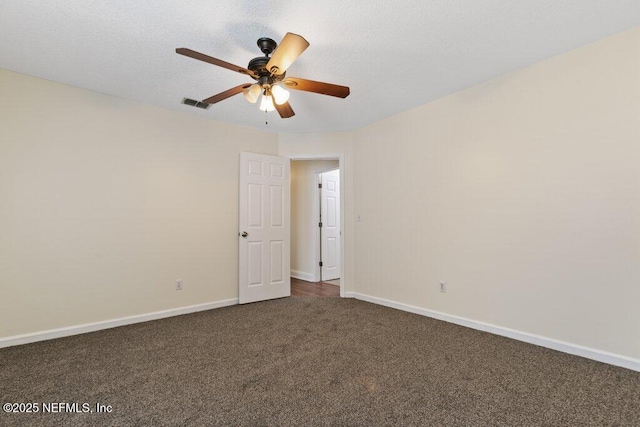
(316, 243)
(317, 236)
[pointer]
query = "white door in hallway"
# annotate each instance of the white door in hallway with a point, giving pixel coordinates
(330, 229)
(264, 228)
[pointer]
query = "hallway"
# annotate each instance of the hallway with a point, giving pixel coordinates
(301, 288)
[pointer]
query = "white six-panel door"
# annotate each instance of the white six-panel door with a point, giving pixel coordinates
(264, 228)
(330, 230)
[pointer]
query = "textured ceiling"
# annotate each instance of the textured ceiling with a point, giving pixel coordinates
(393, 55)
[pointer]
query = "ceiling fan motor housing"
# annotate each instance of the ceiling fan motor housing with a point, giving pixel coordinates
(259, 65)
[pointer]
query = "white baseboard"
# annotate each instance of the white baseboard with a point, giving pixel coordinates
(106, 324)
(308, 277)
(565, 347)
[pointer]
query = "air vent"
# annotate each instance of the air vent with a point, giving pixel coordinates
(194, 103)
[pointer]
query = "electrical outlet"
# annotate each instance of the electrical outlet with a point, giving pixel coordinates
(179, 285)
(443, 287)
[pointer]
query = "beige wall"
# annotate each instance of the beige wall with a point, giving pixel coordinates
(304, 221)
(105, 202)
(523, 193)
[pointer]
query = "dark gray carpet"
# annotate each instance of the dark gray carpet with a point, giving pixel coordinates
(312, 361)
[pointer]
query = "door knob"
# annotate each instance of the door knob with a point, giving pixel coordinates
(244, 234)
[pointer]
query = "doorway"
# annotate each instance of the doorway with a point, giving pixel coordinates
(316, 231)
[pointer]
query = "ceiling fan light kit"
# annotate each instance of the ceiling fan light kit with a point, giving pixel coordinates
(267, 103)
(252, 93)
(280, 95)
(269, 74)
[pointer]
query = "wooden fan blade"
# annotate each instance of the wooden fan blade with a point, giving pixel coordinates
(226, 94)
(284, 110)
(316, 87)
(211, 60)
(291, 46)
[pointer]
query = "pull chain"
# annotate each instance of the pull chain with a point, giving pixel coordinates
(265, 117)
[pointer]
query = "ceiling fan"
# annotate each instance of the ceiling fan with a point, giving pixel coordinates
(269, 74)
